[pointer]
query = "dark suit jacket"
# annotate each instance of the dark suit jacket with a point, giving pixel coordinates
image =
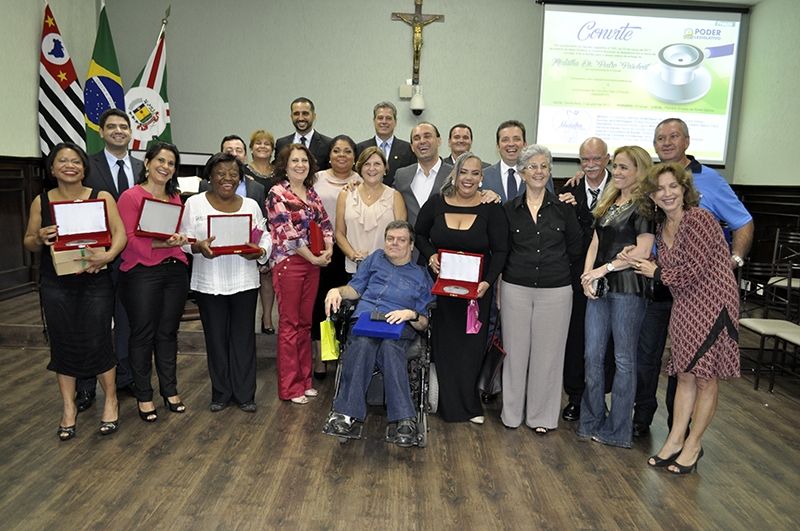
(253, 190)
(399, 157)
(101, 178)
(452, 162)
(492, 180)
(319, 146)
(402, 183)
(585, 217)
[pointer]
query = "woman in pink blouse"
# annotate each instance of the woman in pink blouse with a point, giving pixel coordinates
(154, 283)
(292, 205)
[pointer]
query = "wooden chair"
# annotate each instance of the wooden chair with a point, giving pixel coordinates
(754, 283)
(787, 249)
(765, 287)
(785, 338)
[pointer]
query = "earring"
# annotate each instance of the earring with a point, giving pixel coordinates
(146, 174)
(655, 207)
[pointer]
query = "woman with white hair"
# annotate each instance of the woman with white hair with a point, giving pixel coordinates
(536, 295)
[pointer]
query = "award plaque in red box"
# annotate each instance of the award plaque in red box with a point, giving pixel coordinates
(317, 238)
(232, 233)
(459, 274)
(80, 223)
(158, 219)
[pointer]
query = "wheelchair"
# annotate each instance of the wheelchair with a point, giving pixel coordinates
(423, 384)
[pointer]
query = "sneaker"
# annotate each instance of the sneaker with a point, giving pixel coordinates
(339, 423)
(406, 430)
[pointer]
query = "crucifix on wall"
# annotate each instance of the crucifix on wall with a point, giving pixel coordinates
(417, 21)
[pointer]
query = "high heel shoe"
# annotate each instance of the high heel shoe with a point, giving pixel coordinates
(658, 462)
(175, 407)
(267, 330)
(66, 433)
(687, 468)
(147, 416)
(107, 427)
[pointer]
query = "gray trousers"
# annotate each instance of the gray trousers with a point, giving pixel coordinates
(535, 327)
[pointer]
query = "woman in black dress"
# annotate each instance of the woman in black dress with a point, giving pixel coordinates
(456, 220)
(77, 308)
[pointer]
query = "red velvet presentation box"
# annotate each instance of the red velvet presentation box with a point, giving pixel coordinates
(158, 219)
(459, 274)
(233, 233)
(317, 238)
(80, 223)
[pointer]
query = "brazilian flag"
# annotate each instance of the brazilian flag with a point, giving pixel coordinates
(103, 88)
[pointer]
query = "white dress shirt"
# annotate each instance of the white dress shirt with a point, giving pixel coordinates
(422, 185)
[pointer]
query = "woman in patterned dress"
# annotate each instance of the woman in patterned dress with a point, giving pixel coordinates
(694, 262)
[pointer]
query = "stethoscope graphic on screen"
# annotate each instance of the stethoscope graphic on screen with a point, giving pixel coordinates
(679, 76)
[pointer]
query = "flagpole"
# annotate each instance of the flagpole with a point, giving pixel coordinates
(164, 22)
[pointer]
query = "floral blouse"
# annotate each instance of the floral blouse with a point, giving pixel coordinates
(289, 219)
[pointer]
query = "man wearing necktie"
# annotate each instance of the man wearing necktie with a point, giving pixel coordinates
(503, 178)
(398, 152)
(303, 115)
(583, 196)
(113, 170)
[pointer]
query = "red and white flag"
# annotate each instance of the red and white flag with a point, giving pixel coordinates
(147, 102)
(60, 94)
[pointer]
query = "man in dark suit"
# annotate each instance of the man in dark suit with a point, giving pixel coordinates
(248, 187)
(303, 116)
(583, 196)
(460, 141)
(114, 171)
(503, 176)
(418, 182)
(398, 152)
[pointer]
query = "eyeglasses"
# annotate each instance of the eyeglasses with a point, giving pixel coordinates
(534, 167)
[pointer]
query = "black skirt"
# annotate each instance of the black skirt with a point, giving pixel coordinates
(78, 310)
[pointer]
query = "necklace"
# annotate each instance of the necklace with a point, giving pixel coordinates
(615, 210)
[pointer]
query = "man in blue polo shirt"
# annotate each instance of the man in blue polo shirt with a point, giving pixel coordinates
(388, 282)
(671, 141)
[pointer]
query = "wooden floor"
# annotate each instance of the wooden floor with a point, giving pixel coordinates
(275, 469)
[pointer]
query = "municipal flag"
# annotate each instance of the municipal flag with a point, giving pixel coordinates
(60, 95)
(146, 101)
(103, 88)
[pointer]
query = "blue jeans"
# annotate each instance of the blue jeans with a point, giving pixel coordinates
(652, 340)
(620, 315)
(360, 358)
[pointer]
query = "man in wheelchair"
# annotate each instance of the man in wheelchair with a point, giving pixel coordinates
(387, 281)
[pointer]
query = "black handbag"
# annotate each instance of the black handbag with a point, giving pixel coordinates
(489, 381)
(656, 291)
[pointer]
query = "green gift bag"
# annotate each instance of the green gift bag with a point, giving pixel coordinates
(330, 345)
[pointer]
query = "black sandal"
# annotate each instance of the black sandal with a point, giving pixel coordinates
(107, 427)
(147, 416)
(176, 407)
(540, 430)
(66, 433)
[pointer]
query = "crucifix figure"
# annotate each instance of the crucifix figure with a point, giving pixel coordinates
(417, 21)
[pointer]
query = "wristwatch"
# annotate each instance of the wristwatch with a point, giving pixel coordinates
(610, 267)
(738, 260)
(416, 316)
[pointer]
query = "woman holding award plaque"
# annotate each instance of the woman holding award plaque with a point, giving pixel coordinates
(154, 277)
(456, 220)
(231, 240)
(77, 307)
(295, 214)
